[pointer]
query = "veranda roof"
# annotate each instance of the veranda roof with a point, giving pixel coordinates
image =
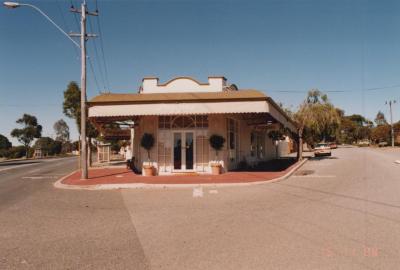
(178, 97)
(229, 102)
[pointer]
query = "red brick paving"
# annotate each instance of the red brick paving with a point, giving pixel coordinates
(124, 176)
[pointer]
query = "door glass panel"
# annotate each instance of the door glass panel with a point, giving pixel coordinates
(177, 151)
(189, 151)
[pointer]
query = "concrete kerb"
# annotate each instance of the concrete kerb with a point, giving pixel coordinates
(59, 184)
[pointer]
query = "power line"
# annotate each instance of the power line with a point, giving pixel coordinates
(102, 46)
(384, 87)
(88, 55)
(339, 91)
(75, 16)
(97, 55)
(65, 24)
(94, 74)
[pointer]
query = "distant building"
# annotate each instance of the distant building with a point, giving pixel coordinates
(39, 152)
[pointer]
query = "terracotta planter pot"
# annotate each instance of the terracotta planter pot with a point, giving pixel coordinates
(148, 170)
(216, 169)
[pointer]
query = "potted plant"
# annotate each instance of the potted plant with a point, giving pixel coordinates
(216, 142)
(147, 142)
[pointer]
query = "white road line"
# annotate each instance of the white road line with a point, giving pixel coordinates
(213, 191)
(39, 177)
(197, 192)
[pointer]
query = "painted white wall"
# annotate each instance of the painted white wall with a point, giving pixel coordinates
(183, 84)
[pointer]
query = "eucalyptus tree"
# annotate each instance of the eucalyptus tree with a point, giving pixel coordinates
(72, 109)
(29, 131)
(61, 129)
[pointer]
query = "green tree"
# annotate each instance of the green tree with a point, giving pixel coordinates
(72, 109)
(17, 151)
(5, 145)
(381, 133)
(217, 143)
(4, 142)
(147, 142)
(317, 119)
(29, 131)
(49, 146)
(355, 127)
(62, 131)
(358, 119)
(72, 101)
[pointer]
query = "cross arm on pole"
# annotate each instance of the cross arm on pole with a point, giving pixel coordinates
(79, 35)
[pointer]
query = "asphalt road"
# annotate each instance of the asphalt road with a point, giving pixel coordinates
(341, 212)
(46, 228)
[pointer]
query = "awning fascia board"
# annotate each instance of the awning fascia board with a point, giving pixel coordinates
(231, 107)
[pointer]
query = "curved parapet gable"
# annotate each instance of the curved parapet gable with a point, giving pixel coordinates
(182, 85)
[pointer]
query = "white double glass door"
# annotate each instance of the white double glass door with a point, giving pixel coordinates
(183, 151)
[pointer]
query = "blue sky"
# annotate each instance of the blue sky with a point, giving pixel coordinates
(274, 46)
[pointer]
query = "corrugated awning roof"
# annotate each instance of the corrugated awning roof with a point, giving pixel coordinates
(177, 97)
(228, 102)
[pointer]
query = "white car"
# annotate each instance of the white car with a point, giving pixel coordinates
(322, 149)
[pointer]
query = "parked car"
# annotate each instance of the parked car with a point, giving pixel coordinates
(333, 145)
(383, 144)
(364, 143)
(322, 149)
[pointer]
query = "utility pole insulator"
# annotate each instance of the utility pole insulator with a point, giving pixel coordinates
(79, 35)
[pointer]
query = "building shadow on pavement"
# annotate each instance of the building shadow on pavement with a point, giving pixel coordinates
(275, 165)
(322, 158)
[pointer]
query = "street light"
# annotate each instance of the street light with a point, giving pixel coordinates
(11, 4)
(82, 47)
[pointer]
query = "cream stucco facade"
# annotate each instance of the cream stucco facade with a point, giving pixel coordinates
(182, 114)
(247, 144)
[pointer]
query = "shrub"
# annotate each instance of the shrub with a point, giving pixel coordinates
(48, 146)
(17, 152)
(147, 142)
(4, 153)
(216, 142)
